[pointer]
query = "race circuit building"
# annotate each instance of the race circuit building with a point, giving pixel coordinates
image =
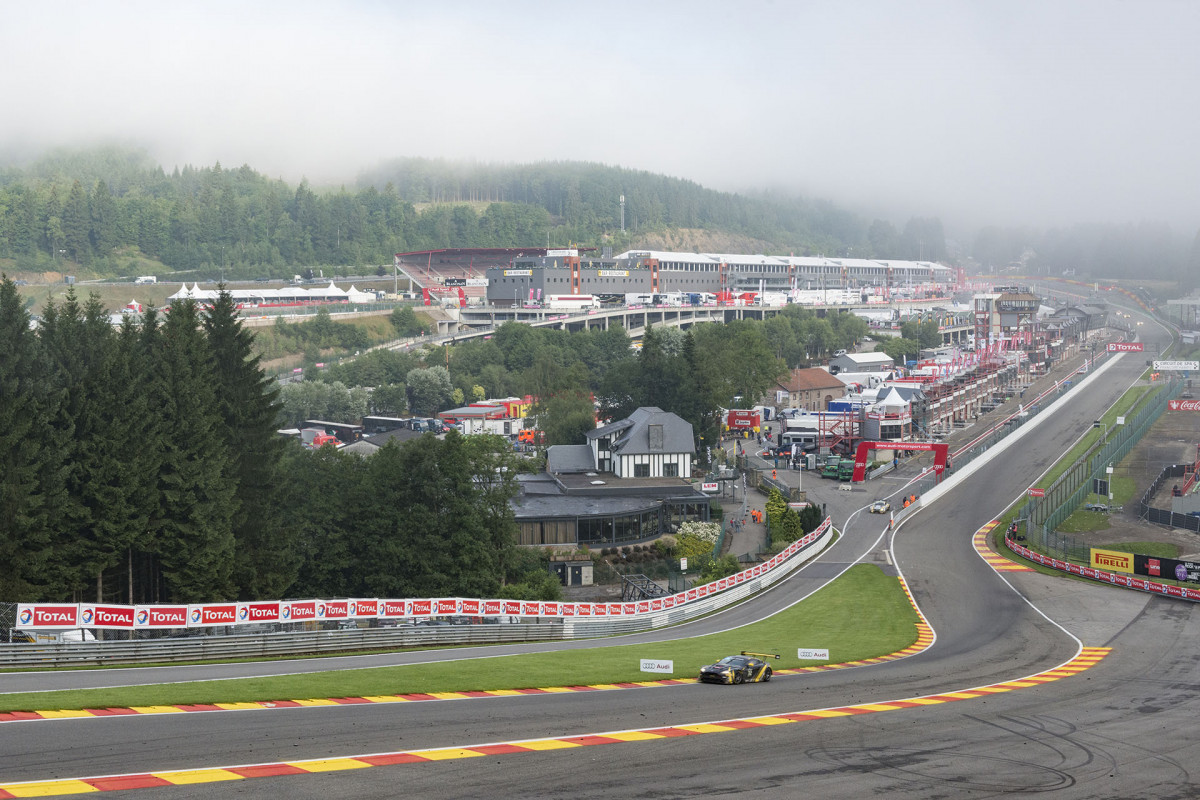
(565, 272)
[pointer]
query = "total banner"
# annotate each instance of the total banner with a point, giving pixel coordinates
(1128, 581)
(52, 616)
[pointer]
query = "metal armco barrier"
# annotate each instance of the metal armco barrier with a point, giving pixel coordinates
(580, 629)
(207, 648)
(1127, 581)
(266, 645)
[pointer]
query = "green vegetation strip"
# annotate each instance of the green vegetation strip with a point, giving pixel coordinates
(883, 622)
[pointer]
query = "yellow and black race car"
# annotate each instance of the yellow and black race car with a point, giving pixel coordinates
(736, 669)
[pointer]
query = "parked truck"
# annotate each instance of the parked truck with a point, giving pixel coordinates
(831, 467)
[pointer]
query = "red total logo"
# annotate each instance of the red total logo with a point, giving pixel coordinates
(1183, 405)
(1124, 347)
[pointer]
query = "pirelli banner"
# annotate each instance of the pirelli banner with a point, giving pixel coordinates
(1111, 560)
(1150, 566)
(58, 616)
(1113, 571)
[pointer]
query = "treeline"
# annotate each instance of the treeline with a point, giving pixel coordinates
(142, 464)
(88, 209)
(585, 200)
(97, 207)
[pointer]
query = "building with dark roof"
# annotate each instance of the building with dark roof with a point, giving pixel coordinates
(627, 484)
(650, 443)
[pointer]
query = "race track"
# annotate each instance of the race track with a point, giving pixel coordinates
(1120, 728)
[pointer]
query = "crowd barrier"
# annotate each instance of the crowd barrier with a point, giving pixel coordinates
(1116, 579)
(644, 613)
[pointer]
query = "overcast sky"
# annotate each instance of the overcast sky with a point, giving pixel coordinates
(1033, 113)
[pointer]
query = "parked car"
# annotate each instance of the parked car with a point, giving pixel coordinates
(736, 669)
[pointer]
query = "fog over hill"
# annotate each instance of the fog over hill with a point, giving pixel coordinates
(1005, 113)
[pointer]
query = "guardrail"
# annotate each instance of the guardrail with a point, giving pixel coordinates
(268, 645)
(212, 648)
(578, 629)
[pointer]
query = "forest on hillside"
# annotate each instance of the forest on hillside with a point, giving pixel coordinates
(99, 211)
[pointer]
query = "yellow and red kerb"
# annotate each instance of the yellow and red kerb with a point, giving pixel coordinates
(981, 542)
(1086, 659)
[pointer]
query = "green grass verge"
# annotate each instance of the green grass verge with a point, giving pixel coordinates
(1156, 549)
(863, 614)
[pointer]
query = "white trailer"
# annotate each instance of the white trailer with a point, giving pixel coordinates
(571, 302)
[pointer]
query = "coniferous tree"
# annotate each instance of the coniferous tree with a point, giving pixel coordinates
(28, 462)
(248, 402)
(195, 544)
(69, 357)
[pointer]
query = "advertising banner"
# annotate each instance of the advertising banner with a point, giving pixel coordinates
(299, 611)
(104, 616)
(87, 615)
(333, 609)
(1154, 567)
(1176, 366)
(1111, 560)
(364, 609)
(200, 616)
(248, 613)
(46, 615)
(1124, 347)
(420, 608)
(1183, 405)
(390, 609)
(147, 617)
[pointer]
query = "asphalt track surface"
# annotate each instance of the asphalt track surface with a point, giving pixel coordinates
(1123, 728)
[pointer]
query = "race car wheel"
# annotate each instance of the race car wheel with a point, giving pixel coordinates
(767, 675)
(738, 677)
